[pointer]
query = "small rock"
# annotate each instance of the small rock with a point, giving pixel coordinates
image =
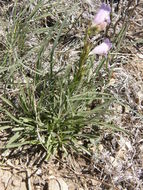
(53, 185)
(57, 184)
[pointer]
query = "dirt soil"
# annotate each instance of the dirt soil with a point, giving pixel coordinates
(117, 163)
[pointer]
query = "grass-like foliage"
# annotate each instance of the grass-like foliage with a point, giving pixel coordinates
(59, 106)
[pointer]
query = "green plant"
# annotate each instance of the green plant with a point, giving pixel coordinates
(59, 108)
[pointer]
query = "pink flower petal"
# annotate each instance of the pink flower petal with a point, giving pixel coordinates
(103, 48)
(103, 15)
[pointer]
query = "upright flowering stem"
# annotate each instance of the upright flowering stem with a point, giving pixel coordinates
(99, 23)
(84, 56)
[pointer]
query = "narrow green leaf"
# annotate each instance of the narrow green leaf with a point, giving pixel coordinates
(13, 139)
(8, 102)
(5, 127)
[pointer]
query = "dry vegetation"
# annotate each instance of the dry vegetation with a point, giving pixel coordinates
(117, 155)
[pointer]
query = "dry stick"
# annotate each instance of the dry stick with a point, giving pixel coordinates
(28, 181)
(74, 22)
(8, 182)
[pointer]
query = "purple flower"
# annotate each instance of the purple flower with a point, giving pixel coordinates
(102, 18)
(103, 48)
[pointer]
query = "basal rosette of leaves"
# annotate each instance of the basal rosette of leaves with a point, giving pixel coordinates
(59, 110)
